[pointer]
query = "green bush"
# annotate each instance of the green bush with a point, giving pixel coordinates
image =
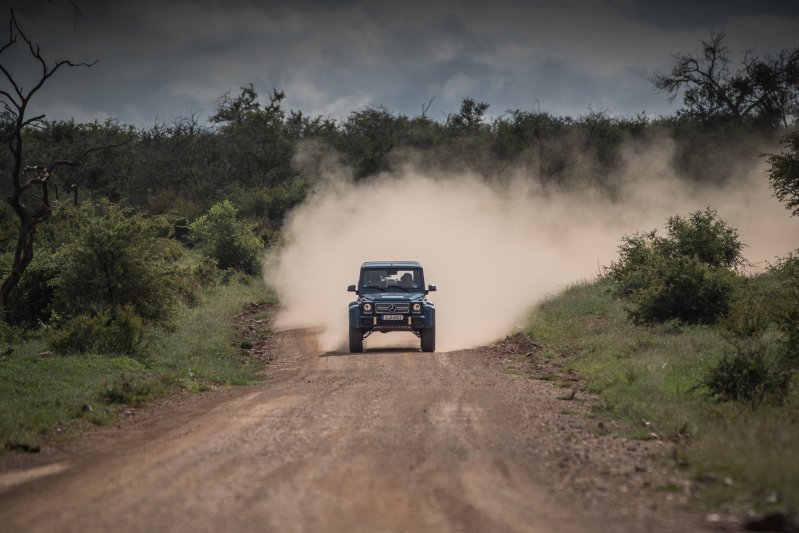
(748, 316)
(29, 302)
(750, 374)
(686, 275)
(218, 234)
(633, 272)
(786, 308)
(684, 289)
(120, 332)
(117, 260)
(763, 331)
(704, 236)
(119, 272)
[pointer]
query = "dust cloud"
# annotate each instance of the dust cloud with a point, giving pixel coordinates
(494, 250)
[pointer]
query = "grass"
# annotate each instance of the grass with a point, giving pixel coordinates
(651, 378)
(39, 391)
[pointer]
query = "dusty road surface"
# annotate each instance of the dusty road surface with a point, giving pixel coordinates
(389, 440)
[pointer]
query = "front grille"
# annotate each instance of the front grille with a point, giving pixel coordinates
(392, 308)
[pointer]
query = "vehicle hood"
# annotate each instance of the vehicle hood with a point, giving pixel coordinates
(392, 296)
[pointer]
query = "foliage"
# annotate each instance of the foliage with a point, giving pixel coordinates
(268, 207)
(704, 236)
(117, 259)
(369, 136)
(219, 234)
(120, 331)
(685, 275)
(749, 374)
(470, 117)
(784, 172)
(763, 331)
(784, 303)
(29, 304)
(682, 288)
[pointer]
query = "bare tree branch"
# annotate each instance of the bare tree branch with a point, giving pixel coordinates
(426, 107)
(16, 87)
(16, 108)
(32, 120)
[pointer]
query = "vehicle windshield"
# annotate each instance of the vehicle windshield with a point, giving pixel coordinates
(383, 280)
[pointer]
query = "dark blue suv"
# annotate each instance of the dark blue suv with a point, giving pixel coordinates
(391, 297)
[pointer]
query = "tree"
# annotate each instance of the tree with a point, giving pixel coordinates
(765, 91)
(470, 118)
(15, 100)
(256, 150)
(219, 234)
(368, 137)
(784, 172)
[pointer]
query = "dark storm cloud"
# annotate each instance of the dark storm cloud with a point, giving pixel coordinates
(708, 13)
(159, 60)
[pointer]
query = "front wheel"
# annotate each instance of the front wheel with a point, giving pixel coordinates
(429, 340)
(356, 340)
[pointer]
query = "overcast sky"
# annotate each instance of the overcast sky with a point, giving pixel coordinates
(158, 60)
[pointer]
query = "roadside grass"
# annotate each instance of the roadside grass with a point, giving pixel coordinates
(651, 378)
(40, 391)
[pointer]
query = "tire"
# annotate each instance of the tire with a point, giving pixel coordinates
(356, 340)
(429, 340)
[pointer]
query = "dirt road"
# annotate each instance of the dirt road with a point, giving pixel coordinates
(391, 440)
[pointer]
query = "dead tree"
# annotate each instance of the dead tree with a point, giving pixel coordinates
(29, 184)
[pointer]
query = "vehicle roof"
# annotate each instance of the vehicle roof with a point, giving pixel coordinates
(391, 264)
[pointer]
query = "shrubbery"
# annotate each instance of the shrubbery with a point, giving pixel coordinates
(786, 308)
(686, 275)
(116, 274)
(103, 274)
(117, 331)
(219, 234)
(689, 276)
(682, 288)
(117, 259)
(763, 332)
(751, 372)
(30, 300)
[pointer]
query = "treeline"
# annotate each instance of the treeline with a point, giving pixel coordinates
(189, 198)
(265, 158)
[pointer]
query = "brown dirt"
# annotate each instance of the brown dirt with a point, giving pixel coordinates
(387, 440)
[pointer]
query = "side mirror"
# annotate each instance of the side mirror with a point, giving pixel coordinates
(431, 288)
(351, 288)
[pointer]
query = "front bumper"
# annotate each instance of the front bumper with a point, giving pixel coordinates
(378, 323)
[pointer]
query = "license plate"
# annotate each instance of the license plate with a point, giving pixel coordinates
(392, 317)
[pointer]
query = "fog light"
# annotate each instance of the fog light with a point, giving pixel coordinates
(367, 308)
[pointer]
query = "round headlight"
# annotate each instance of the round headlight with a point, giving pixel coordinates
(417, 307)
(367, 308)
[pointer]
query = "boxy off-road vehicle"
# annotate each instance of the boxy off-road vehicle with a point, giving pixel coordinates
(391, 297)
